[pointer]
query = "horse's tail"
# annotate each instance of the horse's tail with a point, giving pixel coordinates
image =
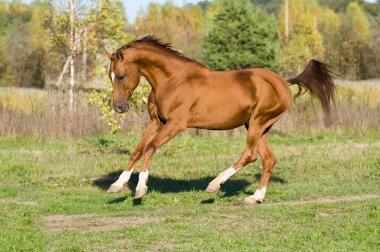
(317, 78)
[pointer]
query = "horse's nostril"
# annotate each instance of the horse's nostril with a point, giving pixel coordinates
(119, 109)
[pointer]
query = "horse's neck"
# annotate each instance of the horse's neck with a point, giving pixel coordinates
(156, 67)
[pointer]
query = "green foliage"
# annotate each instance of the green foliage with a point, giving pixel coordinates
(98, 25)
(139, 99)
(304, 41)
(183, 27)
(103, 101)
(107, 23)
(338, 5)
(20, 59)
(271, 6)
(35, 37)
(329, 25)
(241, 36)
(355, 38)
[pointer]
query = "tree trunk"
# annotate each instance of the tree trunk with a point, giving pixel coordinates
(84, 57)
(64, 70)
(72, 52)
(286, 19)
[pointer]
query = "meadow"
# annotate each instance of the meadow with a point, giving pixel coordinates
(323, 194)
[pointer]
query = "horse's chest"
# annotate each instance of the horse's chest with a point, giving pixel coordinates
(164, 106)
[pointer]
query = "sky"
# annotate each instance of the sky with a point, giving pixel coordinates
(132, 7)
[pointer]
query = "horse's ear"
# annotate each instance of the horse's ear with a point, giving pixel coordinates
(109, 55)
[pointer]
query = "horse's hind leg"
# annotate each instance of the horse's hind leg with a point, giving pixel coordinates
(268, 161)
(255, 131)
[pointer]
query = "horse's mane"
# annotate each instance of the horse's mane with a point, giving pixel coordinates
(156, 42)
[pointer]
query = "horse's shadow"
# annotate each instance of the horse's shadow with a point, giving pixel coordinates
(171, 185)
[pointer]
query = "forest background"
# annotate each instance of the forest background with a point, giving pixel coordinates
(38, 39)
(53, 70)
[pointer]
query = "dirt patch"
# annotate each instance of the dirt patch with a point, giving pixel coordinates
(164, 245)
(360, 145)
(18, 201)
(335, 146)
(323, 200)
(89, 222)
(106, 150)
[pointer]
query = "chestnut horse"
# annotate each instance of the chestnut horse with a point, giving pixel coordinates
(186, 94)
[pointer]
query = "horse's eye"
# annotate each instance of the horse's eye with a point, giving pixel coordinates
(121, 77)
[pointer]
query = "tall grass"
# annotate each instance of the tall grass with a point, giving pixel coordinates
(357, 110)
(51, 118)
(45, 114)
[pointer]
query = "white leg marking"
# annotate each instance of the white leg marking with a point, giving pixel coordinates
(220, 179)
(260, 194)
(123, 179)
(257, 197)
(141, 188)
(226, 174)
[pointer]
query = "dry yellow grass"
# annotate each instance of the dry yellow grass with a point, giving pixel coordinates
(22, 99)
(46, 113)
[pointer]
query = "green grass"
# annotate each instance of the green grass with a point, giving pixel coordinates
(48, 200)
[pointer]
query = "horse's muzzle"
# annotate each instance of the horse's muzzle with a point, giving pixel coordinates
(121, 107)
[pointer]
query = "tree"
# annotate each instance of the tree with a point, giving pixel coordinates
(304, 41)
(98, 25)
(372, 59)
(183, 27)
(338, 5)
(241, 36)
(20, 57)
(329, 26)
(355, 38)
(271, 6)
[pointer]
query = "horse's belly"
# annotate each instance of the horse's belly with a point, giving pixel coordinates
(218, 118)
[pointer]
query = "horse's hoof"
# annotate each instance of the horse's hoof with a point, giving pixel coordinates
(212, 187)
(114, 188)
(141, 192)
(252, 201)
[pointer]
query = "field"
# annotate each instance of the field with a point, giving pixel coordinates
(56, 165)
(324, 195)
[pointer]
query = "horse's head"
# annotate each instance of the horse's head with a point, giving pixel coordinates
(124, 77)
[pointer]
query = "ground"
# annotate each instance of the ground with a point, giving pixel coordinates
(324, 195)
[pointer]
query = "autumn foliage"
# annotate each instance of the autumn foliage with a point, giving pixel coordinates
(35, 38)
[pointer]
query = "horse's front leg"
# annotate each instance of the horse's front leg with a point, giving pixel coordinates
(149, 134)
(167, 132)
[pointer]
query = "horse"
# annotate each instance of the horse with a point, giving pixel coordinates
(187, 94)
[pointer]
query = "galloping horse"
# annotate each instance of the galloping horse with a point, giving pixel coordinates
(186, 94)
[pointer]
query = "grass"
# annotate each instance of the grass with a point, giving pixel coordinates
(49, 201)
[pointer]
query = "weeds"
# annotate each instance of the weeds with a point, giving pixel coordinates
(45, 114)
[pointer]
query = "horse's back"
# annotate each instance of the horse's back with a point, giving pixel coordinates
(231, 96)
(259, 83)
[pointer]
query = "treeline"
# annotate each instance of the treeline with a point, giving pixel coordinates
(49, 42)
